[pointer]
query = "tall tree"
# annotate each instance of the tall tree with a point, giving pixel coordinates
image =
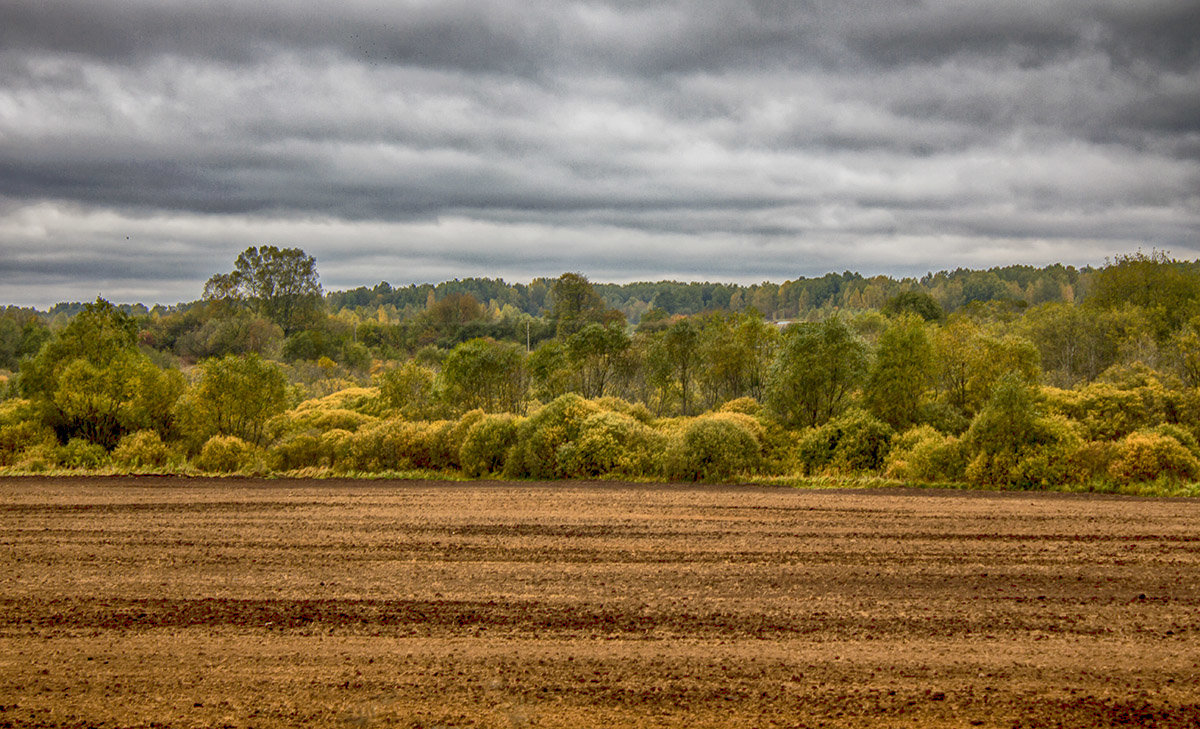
(1168, 289)
(672, 361)
(91, 381)
(816, 369)
(592, 353)
(900, 375)
(484, 373)
(235, 396)
(736, 350)
(575, 304)
(281, 284)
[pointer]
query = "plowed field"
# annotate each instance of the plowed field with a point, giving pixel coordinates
(174, 602)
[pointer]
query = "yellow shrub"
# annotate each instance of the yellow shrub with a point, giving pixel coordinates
(611, 442)
(743, 405)
(227, 454)
(486, 445)
(713, 447)
(924, 454)
(336, 447)
(638, 411)
(393, 445)
(1092, 460)
(365, 400)
(1146, 456)
(317, 420)
(143, 449)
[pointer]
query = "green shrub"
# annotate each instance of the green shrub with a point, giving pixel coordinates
(713, 447)
(1047, 461)
(143, 449)
(1011, 443)
(542, 434)
(855, 441)
(943, 416)
(611, 442)
(924, 454)
(486, 445)
(1045, 456)
(298, 450)
(79, 453)
(397, 445)
(227, 454)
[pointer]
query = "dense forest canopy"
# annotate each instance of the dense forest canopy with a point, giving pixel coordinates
(1025, 375)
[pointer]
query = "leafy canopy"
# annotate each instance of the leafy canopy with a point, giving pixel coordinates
(281, 284)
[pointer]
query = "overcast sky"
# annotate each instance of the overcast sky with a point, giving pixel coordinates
(144, 143)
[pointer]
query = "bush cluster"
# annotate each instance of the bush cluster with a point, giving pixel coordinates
(1023, 436)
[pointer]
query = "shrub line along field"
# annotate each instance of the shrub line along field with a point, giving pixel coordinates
(138, 602)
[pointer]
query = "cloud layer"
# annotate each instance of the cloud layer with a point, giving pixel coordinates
(143, 143)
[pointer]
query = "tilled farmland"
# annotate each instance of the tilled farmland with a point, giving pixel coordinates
(170, 602)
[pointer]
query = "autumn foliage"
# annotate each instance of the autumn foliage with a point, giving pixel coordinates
(1100, 391)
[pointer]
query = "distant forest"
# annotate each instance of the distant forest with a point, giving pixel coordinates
(394, 321)
(1035, 377)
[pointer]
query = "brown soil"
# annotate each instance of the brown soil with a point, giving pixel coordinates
(176, 602)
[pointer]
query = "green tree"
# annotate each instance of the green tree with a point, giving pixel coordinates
(1185, 351)
(549, 370)
(234, 396)
(97, 334)
(10, 343)
(575, 304)
(485, 374)
(969, 363)
(237, 332)
(593, 352)
(409, 388)
(736, 350)
(914, 302)
(900, 375)
(672, 360)
(1168, 289)
(92, 382)
(281, 284)
(817, 368)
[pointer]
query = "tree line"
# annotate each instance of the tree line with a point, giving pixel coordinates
(1017, 376)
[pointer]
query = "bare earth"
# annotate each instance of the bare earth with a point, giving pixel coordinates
(175, 602)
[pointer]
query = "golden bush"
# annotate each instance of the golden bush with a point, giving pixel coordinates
(227, 454)
(487, 443)
(1148, 456)
(143, 449)
(713, 447)
(612, 443)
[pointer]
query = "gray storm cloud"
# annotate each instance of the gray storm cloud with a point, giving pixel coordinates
(143, 143)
